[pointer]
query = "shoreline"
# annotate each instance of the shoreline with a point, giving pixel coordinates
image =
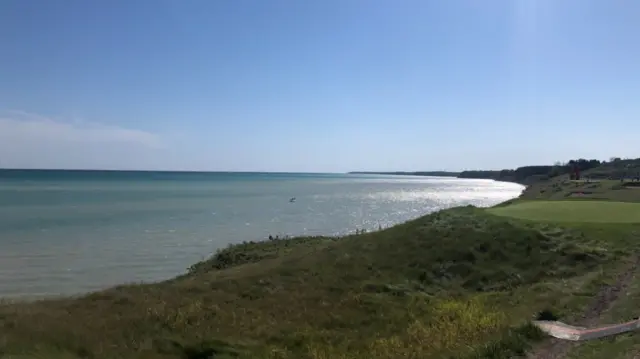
(358, 231)
(464, 175)
(151, 241)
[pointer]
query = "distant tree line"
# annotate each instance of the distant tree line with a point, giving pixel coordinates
(614, 168)
(617, 168)
(530, 174)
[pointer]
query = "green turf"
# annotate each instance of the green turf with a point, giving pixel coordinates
(573, 211)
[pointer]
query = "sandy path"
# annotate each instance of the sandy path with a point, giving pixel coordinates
(559, 348)
(568, 332)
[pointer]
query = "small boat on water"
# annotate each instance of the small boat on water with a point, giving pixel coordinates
(293, 199)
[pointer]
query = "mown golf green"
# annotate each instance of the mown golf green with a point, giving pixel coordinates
(573, 211)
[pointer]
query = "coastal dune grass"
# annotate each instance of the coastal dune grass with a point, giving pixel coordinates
(572, 211)
(453, 284)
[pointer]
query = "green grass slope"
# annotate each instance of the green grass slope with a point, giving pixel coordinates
(453, 284)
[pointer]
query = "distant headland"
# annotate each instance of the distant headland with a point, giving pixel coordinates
(419, 173)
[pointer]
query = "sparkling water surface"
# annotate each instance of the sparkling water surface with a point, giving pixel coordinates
(67, 232)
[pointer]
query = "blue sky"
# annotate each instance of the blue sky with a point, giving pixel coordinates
(328, 86)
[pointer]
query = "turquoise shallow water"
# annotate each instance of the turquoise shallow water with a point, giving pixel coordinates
(65, 232)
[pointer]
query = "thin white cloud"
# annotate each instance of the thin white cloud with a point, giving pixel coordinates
(29, 140)
(29, 126)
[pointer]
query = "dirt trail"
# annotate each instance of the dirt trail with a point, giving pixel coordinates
(558, 348)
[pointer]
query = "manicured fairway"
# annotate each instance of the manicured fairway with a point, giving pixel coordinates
(573, 211)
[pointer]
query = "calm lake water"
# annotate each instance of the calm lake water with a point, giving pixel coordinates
(66, 232)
